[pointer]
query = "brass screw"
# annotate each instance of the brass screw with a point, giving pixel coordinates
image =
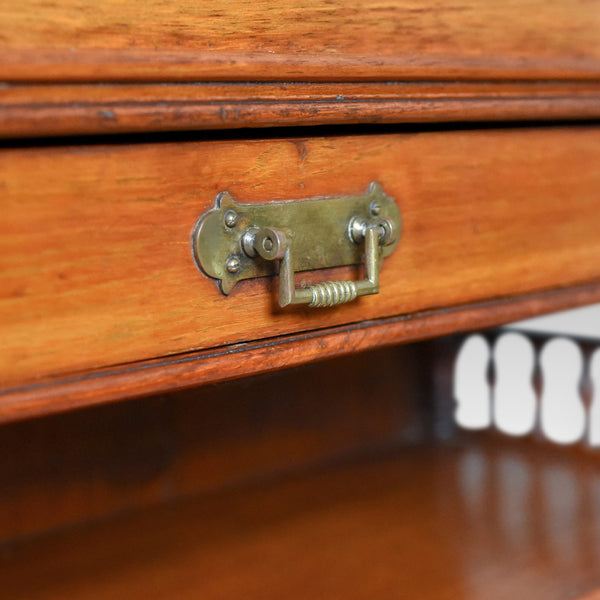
(375, 208)
(230, 218)
(233, 264)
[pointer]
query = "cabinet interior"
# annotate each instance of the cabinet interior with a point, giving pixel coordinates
(342, 478)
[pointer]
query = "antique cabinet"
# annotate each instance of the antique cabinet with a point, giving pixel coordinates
(132, 464)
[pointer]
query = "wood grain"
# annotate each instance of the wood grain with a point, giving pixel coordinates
(39, 110)
(299, 40)
(95, 242)
(477, 521)
(55, 395)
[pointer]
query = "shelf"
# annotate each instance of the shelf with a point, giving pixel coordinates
(486, 519)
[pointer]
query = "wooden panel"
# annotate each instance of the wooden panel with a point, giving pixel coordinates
(88, 464)
(301, 40)
(36, 110)
(476, 522)
(95, 242)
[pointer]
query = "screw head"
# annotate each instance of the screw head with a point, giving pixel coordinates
(267, 244)
(375, 208)
(230, 218)
(233, 264)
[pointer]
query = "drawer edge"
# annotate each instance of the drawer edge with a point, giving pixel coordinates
(177, 372)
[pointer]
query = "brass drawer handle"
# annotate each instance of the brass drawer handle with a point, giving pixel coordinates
(328, 293)
(235, 241)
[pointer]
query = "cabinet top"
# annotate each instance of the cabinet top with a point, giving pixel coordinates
(300, 40)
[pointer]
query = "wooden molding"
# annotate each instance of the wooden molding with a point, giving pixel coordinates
(50, 110)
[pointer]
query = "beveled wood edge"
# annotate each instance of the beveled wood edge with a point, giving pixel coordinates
(53, 110)
(178, 372)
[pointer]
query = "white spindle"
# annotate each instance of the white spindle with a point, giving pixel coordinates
(471, 387)
(514, 396)
(562, 412)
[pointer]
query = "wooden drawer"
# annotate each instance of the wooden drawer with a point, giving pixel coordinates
(95, 254)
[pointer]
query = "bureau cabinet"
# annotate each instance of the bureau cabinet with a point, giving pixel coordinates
(120, 126)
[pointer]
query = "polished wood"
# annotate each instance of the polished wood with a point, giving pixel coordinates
(59, 471)
(55, 395)
(37, 110)
(95, 241)
(482, 519)
(79, 40)
(329, 480)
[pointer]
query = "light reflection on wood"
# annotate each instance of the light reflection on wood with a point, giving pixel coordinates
(530, 510)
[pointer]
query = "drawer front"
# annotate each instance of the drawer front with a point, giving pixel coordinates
(96, 264)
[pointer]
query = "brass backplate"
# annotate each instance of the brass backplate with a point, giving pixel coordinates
(317, 229)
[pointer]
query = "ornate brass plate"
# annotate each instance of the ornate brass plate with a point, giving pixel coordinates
(235, 241)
